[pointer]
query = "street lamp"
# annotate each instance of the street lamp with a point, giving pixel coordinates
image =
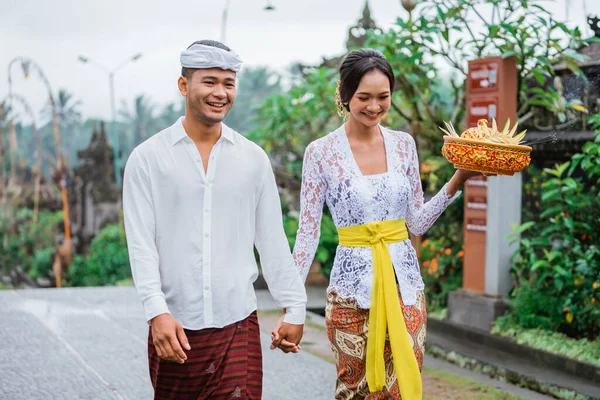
(409, 5)
(268, 7)
(111, 83)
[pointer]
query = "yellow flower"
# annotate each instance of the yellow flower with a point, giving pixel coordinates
(595, 285)
(569, 317)
(579, 281)
(593, 300)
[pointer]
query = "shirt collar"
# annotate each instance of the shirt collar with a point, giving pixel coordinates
(178, 132)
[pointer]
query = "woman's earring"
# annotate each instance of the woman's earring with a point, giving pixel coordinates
(342, 111)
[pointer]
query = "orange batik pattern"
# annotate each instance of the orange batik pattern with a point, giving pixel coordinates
(347, 329)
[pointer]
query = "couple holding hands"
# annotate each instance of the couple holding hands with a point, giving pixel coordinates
(198, 197)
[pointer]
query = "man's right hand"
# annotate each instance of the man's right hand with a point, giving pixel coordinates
(169, 338)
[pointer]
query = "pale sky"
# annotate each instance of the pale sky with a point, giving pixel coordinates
(55, 32)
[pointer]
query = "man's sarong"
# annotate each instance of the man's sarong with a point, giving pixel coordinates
(347, 328)
(224, 363)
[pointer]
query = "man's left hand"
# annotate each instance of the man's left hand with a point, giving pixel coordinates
(286, 336)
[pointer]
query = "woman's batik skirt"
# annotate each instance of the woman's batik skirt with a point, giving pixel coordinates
(347, 328)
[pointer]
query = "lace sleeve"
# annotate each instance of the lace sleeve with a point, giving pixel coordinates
(312, 197)
(421, 216)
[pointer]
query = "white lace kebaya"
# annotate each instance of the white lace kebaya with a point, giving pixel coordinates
(330, 173)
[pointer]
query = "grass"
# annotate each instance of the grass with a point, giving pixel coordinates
(552, 342)
(440, 313)
(125, 282)
(445, 385)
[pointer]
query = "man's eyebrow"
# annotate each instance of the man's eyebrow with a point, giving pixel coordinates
(216, 79)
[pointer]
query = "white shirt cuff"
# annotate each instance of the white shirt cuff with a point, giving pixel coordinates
(154, 306)
(295, 315)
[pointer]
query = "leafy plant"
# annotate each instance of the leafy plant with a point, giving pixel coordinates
(557, 267)
(27, 244)
(460, 30)
(441, 259)
(106, 264)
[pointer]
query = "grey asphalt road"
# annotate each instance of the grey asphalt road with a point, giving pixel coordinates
(90, 343)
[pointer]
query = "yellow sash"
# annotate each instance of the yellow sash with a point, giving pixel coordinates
(385, 313)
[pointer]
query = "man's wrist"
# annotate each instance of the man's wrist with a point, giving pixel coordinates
(294, 315)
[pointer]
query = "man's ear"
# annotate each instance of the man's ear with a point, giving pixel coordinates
(182, 83)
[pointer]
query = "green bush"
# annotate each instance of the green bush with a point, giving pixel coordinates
(106, 264)
(29, 244)
(557, 267)
(441, 258)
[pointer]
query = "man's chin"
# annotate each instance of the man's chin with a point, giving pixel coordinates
(210, 119)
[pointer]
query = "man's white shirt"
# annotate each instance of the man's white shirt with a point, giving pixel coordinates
(191, 234)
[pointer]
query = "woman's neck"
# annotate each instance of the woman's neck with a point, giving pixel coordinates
(361, 133)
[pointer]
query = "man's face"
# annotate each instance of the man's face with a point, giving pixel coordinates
(210, 94)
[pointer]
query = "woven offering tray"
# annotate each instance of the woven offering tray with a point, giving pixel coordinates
(486, 149)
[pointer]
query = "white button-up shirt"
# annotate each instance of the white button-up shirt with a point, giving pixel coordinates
(191, 234)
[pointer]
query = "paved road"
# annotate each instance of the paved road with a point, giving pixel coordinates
(91, 344)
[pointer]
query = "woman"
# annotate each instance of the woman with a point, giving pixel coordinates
(369, 177)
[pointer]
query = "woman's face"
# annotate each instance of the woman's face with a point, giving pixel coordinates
(372, 98)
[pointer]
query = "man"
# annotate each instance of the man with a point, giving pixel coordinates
(197, 197)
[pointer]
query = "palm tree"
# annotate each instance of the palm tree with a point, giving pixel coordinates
(69, 119)
(4, 111)
(140, 122)
(170, 114)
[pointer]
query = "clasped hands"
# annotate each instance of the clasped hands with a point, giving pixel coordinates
(170, 339)
(286, 336)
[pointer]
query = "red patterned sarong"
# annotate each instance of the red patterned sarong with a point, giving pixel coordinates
(347, 328)
(224, 363)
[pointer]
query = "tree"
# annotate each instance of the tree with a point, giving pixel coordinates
(69, 120)
(446, 30)
(255, 85)
(140, 122)
(170, 114)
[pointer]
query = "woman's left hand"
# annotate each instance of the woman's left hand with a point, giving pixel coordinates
(459, 178)
(463, 174)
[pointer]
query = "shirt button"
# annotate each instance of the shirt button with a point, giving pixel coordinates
(206, 210)
(206, 235)
(206, 287)
(198, 160)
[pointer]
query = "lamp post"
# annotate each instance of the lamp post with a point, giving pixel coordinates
(409, 5)
(113, 126)
(267, 7)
